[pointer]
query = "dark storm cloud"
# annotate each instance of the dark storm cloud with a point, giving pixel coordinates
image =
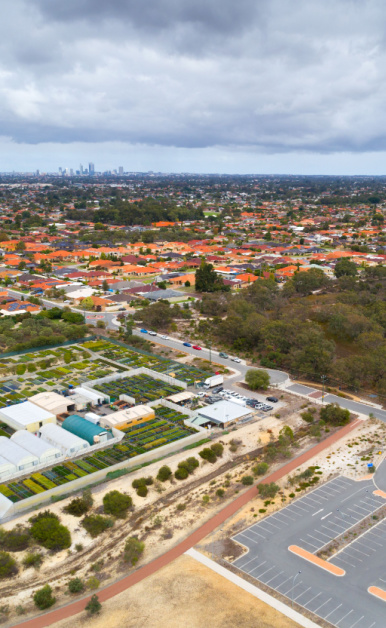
(255, 75)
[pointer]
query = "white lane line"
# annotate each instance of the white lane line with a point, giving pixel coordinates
(352, 625)
(335, 609)
(308, 543)
(343, 560)
(260, 575)
(278, 574)
(325, 516)
(296, 598)
(347, 614)
(261, 564)
(314, 598)
(317, 512)
(329, 600)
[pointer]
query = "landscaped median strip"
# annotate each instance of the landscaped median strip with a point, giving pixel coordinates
(379, 593)
(380, 493)
(333, 569)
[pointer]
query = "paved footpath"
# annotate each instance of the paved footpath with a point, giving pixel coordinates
(73, 608)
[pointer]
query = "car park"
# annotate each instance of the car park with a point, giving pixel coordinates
(152, 333)
(273, 399)
(186, 344)
(196, 347)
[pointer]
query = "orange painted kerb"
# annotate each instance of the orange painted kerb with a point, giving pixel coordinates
(379, 593)
(380, 493)
(364, 477)
(333, 569)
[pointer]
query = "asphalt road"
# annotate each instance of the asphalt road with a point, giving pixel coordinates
(310, 523)
(380, 476)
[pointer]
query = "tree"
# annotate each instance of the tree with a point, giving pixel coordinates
(51, 534)
(306, 282)
(207, 280)
(93, 607)
(117, 504)
(20, 246)
(8, 566)
(76, 585)
(257, 378)
(333, 414)
(43, 597)
(261, 468)
(345, 268)
(164, 473)
(105, 285)
(133, 550)
(87, 303)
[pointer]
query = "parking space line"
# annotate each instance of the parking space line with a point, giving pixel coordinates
(314, 598)
(344, 561)
(347, 614)
(296, 598)
(309, 543)
(278, 574)
(329, 599)
(252, 531)
(335, 609)
(352, 625)
(261, 564)
(251, 540)
(262, 574)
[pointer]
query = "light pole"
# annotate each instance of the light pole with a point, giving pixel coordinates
(323, 378)
(292, 590)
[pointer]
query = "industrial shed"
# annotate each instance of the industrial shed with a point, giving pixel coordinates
(68, 443)
(222, 413)
(26, 416)
(53, 402)
(127, 417)
(85, 429)
(92, 397)
(18, 456)
(46, 452)
(7, 468)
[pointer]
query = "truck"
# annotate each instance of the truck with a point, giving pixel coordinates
(215, 380)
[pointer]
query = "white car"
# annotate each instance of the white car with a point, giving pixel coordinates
(152, 333)
(164, 337)
(236, 360)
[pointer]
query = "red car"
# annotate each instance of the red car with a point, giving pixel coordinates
(196, 347)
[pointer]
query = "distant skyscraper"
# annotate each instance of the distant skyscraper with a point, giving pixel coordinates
(71, 171)
(120, 169)
(60, 171)
(81, 169)
(91, 168)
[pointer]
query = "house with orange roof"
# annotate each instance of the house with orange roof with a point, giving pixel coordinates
(246, 279)
(182, 279)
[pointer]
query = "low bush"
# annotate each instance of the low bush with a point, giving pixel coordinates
(261, 468)
(8, 565)
(93, 583)
(76, 585)
(220, 492)
(181, 473)
(218, 449)
(142, 490)
(268, 490)
(33, 559)
(133, 550)
(208, 454)
(77, 507)
(15, 540)
(94, 606)
(96, 524)
(117, 504)
(164, 473)
(43, 597)
(48, 532)
(247, 480)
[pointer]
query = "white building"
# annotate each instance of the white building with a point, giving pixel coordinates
(222, 413)
(68, 443)
(92, 397)
(46, 452)
(53, 402)
(7, 469)
(26, 416)
(18, 456)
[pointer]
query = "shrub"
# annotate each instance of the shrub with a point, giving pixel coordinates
(133, 550)
(93, 583)
(117, 504)
(181, 473)
(164, 473)
(268, 490)
(208, 454)
(77, 507)
(76, 585)
(15, 540)
(21, 369)
(218, 449)
(94, 606)
(79, 547)
(51, 534)
(33, 559)
(257, 378)
(333, 414)
(45, 514)
(8, 565)
(261, 468)
(307, 416)
(142, 490)
(43, 597)
(247, 480)
(206, 499)
(189, 465)
(220, 492)
(96, 524)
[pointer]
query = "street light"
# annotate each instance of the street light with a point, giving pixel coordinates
(323, 378)
(292, 590)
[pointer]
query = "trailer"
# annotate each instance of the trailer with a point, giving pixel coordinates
(215, 380)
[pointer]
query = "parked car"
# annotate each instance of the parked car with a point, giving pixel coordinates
(152, 333)
(143, 331)
(164, 337)
(223, 355)
(273, 399)
(196, 347)
(186, 344)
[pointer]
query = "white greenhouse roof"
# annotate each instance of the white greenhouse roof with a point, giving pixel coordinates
(14, 453)
(26, 413)
(224, 411)
(35, 445)
(6, 465)
(5, 505)
(63, 438)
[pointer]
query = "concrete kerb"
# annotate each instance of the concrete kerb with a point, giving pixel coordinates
(253, 590)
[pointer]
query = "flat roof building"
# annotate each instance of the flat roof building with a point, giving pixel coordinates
(127, 417)
(223, 413)
(26, 416)
(53, 402)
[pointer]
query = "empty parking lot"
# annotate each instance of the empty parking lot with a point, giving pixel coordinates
(310, 523)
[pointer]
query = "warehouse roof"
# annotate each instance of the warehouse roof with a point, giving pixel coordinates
(181, 396)
(127, 415)
(26, 413)
(224, 411)
(50, 400)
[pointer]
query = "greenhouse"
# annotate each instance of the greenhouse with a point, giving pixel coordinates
(7, 468)
(85, 429)
(43, 450)
(20, 457)
(68, 443)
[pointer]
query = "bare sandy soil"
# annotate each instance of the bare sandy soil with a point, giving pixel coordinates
(183, 594)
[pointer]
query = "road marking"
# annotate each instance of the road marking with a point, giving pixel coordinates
(335, 609)
(329, 600)
(317, 512)
(352, 625)
(314, 598)
(325, 516)
(296, 598)
(347, 614)
(319, 562)
(379, 593)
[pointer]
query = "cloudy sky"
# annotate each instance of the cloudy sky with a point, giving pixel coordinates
(248, 86)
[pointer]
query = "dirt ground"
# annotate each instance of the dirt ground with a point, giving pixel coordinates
(183, 594)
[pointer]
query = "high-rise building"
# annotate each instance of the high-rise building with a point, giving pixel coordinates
(120, 170)
(72, 172)
(60, 171)
(91, 168)
(81, 169)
